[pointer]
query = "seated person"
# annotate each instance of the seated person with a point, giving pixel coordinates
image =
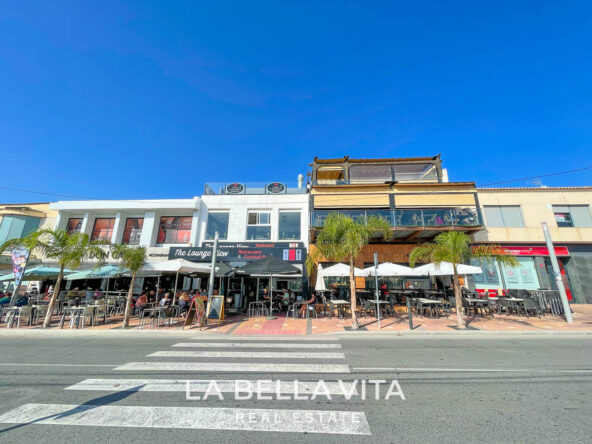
(140, 302)
(312, 302)
(286, 298)
(184, 301)
(6, 299)
(166, 300)
(22, 301)
(265, 294)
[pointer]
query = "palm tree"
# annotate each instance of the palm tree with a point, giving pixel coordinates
(132, 258)
(342, 239)
(455, 247)
(68, 250)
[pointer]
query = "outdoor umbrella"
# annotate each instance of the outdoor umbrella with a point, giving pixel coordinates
(390, 269)
(445, 269)
(36, 274)
(106, 271)
(269, 266)
(340, 270)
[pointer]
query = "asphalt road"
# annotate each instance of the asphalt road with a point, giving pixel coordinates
(96, 387)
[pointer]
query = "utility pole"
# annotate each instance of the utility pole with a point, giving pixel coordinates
(557, 273)
(212, 271)
(376, 290)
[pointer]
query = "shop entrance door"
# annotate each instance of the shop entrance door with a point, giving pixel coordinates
(564, 276)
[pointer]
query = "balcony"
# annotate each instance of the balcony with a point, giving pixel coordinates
(412, 222)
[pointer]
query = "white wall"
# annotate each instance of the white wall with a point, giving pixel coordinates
(239, 205)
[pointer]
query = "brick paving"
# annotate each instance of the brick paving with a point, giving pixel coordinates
(240, 324)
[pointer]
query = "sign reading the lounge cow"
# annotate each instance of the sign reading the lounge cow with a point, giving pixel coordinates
(275, 188)
(239, 254)
(235, 188)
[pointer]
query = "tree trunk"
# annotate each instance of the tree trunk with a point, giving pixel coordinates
(352, 285)
(128, 303)
(56, 293)
(458, 299)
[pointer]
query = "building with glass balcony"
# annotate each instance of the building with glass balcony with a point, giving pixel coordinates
(412, 194)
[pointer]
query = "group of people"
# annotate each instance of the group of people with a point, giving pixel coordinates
(164, 298)
(287, 298)
(5, 298)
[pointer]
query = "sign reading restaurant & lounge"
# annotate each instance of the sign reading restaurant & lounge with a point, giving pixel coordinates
(235, 188)
(242, 252)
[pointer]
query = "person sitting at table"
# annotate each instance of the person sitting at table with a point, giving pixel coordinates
(384, 290)
(312, 303)
(166, 300)
(140, 302)
(265, 294)
(6, 299)
(184, 301)
(22, 301)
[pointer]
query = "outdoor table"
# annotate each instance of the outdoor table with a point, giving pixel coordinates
(9, 312)
(379, 304)
(78, 311)
(424, 301)
(296, 307)
(340, 304)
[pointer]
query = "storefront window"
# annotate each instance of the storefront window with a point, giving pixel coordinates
(174, 230)
(522, 277)
(259, 225)
(74, 225)
(103, 228)
(133, 230)
(217, 222)
(289, 225)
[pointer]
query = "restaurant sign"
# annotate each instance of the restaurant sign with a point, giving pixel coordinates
(535, 251)
(275, 188)
(238, 254)
(235, 188)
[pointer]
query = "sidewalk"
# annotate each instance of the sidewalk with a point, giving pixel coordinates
(241, 325)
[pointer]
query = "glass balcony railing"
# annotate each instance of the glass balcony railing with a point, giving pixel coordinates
(409, 217)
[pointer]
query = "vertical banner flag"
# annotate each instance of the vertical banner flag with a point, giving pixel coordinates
(20, 257)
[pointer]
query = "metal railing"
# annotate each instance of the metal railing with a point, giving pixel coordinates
(409, 217)
(253, 188)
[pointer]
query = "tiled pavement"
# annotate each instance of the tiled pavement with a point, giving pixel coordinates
(242, 325)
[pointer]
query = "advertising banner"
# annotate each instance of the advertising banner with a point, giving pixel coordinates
(238, 254)
(20, 257)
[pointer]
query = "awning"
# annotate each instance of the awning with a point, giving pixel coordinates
(177, 266)
(106, 271)
(36, 274)
(390, 269)
(340, 270)
(268, 266)
(446, 269)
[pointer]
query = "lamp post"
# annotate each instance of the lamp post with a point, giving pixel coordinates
(212, 271)
(557, 273)
(376, 290)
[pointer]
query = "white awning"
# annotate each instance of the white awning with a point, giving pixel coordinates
(175, 266)
(340, 270)
(446, 269)
(390, 269)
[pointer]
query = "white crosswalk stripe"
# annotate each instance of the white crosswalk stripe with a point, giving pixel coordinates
(259, 355)
(204, 418)
(247, 354)
(200, 385)
(254, 345)
(238, 367)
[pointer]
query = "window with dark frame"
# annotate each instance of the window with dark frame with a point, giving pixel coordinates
(217, 221)
(133, 230)
(174, 230)
(74, 225)
(259, 225)
(289, 225)
(103, 228)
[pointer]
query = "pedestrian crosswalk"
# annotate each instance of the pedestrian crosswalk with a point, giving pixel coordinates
(199, 362)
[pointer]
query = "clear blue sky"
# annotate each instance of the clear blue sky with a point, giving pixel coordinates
(130, 100)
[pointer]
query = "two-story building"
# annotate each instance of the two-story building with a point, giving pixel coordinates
(412, 194)
(513, 219)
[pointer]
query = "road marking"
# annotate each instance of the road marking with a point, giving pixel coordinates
(238, 367)
(465, 370)
(200, 385)
(57, 365)
(252, 345)
(244, 354)
(268, 339)
(206, 418)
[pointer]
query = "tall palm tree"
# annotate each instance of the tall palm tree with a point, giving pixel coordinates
(68, 250)
(132, 258)
(455, 247)
(342, 239)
